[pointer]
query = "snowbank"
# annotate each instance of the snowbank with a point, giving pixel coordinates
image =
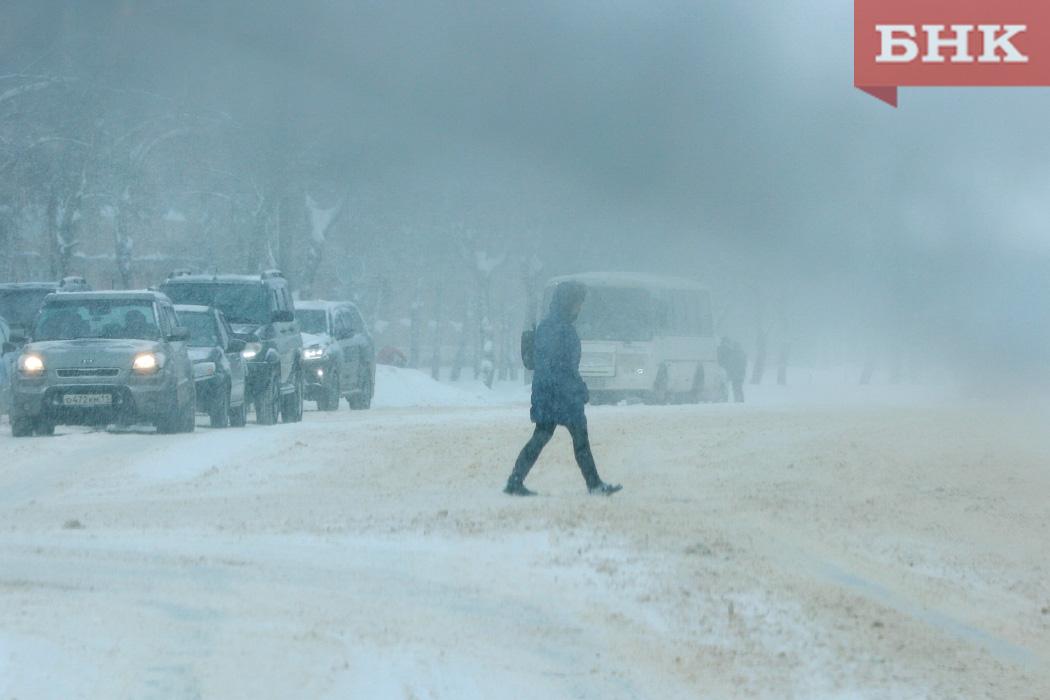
(397, 387)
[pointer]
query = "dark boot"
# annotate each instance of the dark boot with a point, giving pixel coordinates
(516, 488)
(604, 489)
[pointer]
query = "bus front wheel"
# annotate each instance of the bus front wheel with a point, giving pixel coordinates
(697, 392)
(659, 393)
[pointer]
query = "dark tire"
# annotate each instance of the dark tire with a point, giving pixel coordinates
(169, 422)
(220, 409)
(44, 427)
(659, 394)
(266, 401)
(333, 392)
(361, 400)
(292, 404)
(239, 415)
(188, 416)
(697, 392)
(21, 427)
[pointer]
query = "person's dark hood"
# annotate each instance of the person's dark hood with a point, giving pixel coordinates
(566, 296)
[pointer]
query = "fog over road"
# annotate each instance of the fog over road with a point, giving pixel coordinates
(889, 550)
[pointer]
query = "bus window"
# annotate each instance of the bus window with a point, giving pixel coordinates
(682, 312)
(707, 326)
(662, 323)
(615, 313)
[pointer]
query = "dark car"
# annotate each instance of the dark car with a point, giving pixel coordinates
(259, 309)
(7, 365)
(19, 301)
(339, 357)
(219, 370)
(95, 358)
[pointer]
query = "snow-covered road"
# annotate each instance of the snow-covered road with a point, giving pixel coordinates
(861, 550)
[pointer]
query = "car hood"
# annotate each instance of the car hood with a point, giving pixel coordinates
(311, 339)
(97, 352)
(244, 329)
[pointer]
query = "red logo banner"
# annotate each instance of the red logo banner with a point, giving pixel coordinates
(949, 43)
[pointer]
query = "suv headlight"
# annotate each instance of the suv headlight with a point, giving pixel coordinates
(313, 352)
(251, 350)
(31, 364)
(148, 362)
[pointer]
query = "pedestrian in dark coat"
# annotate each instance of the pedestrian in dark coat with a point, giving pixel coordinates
(733, 359)
(559, 392)
(738, 371)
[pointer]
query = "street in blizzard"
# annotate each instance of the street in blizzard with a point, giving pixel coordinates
(531, 350)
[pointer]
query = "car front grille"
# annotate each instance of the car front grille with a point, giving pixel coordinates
(90, 372)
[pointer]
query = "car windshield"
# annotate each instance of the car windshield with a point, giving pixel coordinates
(96, 318)
(203, 333)
(245, 304)
(615, 313)
(312, 321)
(19, 306)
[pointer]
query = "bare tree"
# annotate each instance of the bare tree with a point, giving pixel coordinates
(321, 223)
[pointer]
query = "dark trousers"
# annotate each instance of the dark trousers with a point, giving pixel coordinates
(542, 435)
(738, 391)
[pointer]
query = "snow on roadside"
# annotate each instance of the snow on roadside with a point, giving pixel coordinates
(205, 452)
(400, 387)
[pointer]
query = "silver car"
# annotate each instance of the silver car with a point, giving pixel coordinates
(95, 358)
(218, 367)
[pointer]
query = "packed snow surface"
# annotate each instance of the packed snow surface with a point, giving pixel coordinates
(822, 541)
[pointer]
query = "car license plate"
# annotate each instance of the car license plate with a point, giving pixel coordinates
(87, 399)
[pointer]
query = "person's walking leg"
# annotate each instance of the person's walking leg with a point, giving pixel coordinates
(528, 456)
(581, 446)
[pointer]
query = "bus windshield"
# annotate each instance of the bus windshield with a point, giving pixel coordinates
(616, 313)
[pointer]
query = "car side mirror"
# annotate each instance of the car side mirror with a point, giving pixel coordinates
(235, 345)
(283, 316)
(179, 334)
(8, 347)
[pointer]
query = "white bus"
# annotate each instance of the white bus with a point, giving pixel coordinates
(646, 337)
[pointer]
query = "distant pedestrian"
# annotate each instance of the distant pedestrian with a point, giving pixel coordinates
(733, 360)
(559, 392)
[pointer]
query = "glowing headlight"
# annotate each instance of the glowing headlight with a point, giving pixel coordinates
(31, 364)
(251, 350)
(148, 362)
(313, 352)
(203, 369)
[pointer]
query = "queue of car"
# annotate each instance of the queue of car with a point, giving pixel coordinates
(220, 345)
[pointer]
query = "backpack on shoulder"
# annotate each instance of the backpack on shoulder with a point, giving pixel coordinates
(528, 348)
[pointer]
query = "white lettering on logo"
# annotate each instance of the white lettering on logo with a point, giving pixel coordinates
(890, 42)
(935, 42)
(899, 45)
(992, 43)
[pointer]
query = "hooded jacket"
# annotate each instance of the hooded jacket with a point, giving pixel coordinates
(558, 391)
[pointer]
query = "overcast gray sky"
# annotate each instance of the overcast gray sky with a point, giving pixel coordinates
(720, 139)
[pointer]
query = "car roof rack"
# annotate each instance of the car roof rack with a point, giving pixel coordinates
(180, 272)
(270, 274)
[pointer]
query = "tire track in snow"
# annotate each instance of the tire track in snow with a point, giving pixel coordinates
(794, 555)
